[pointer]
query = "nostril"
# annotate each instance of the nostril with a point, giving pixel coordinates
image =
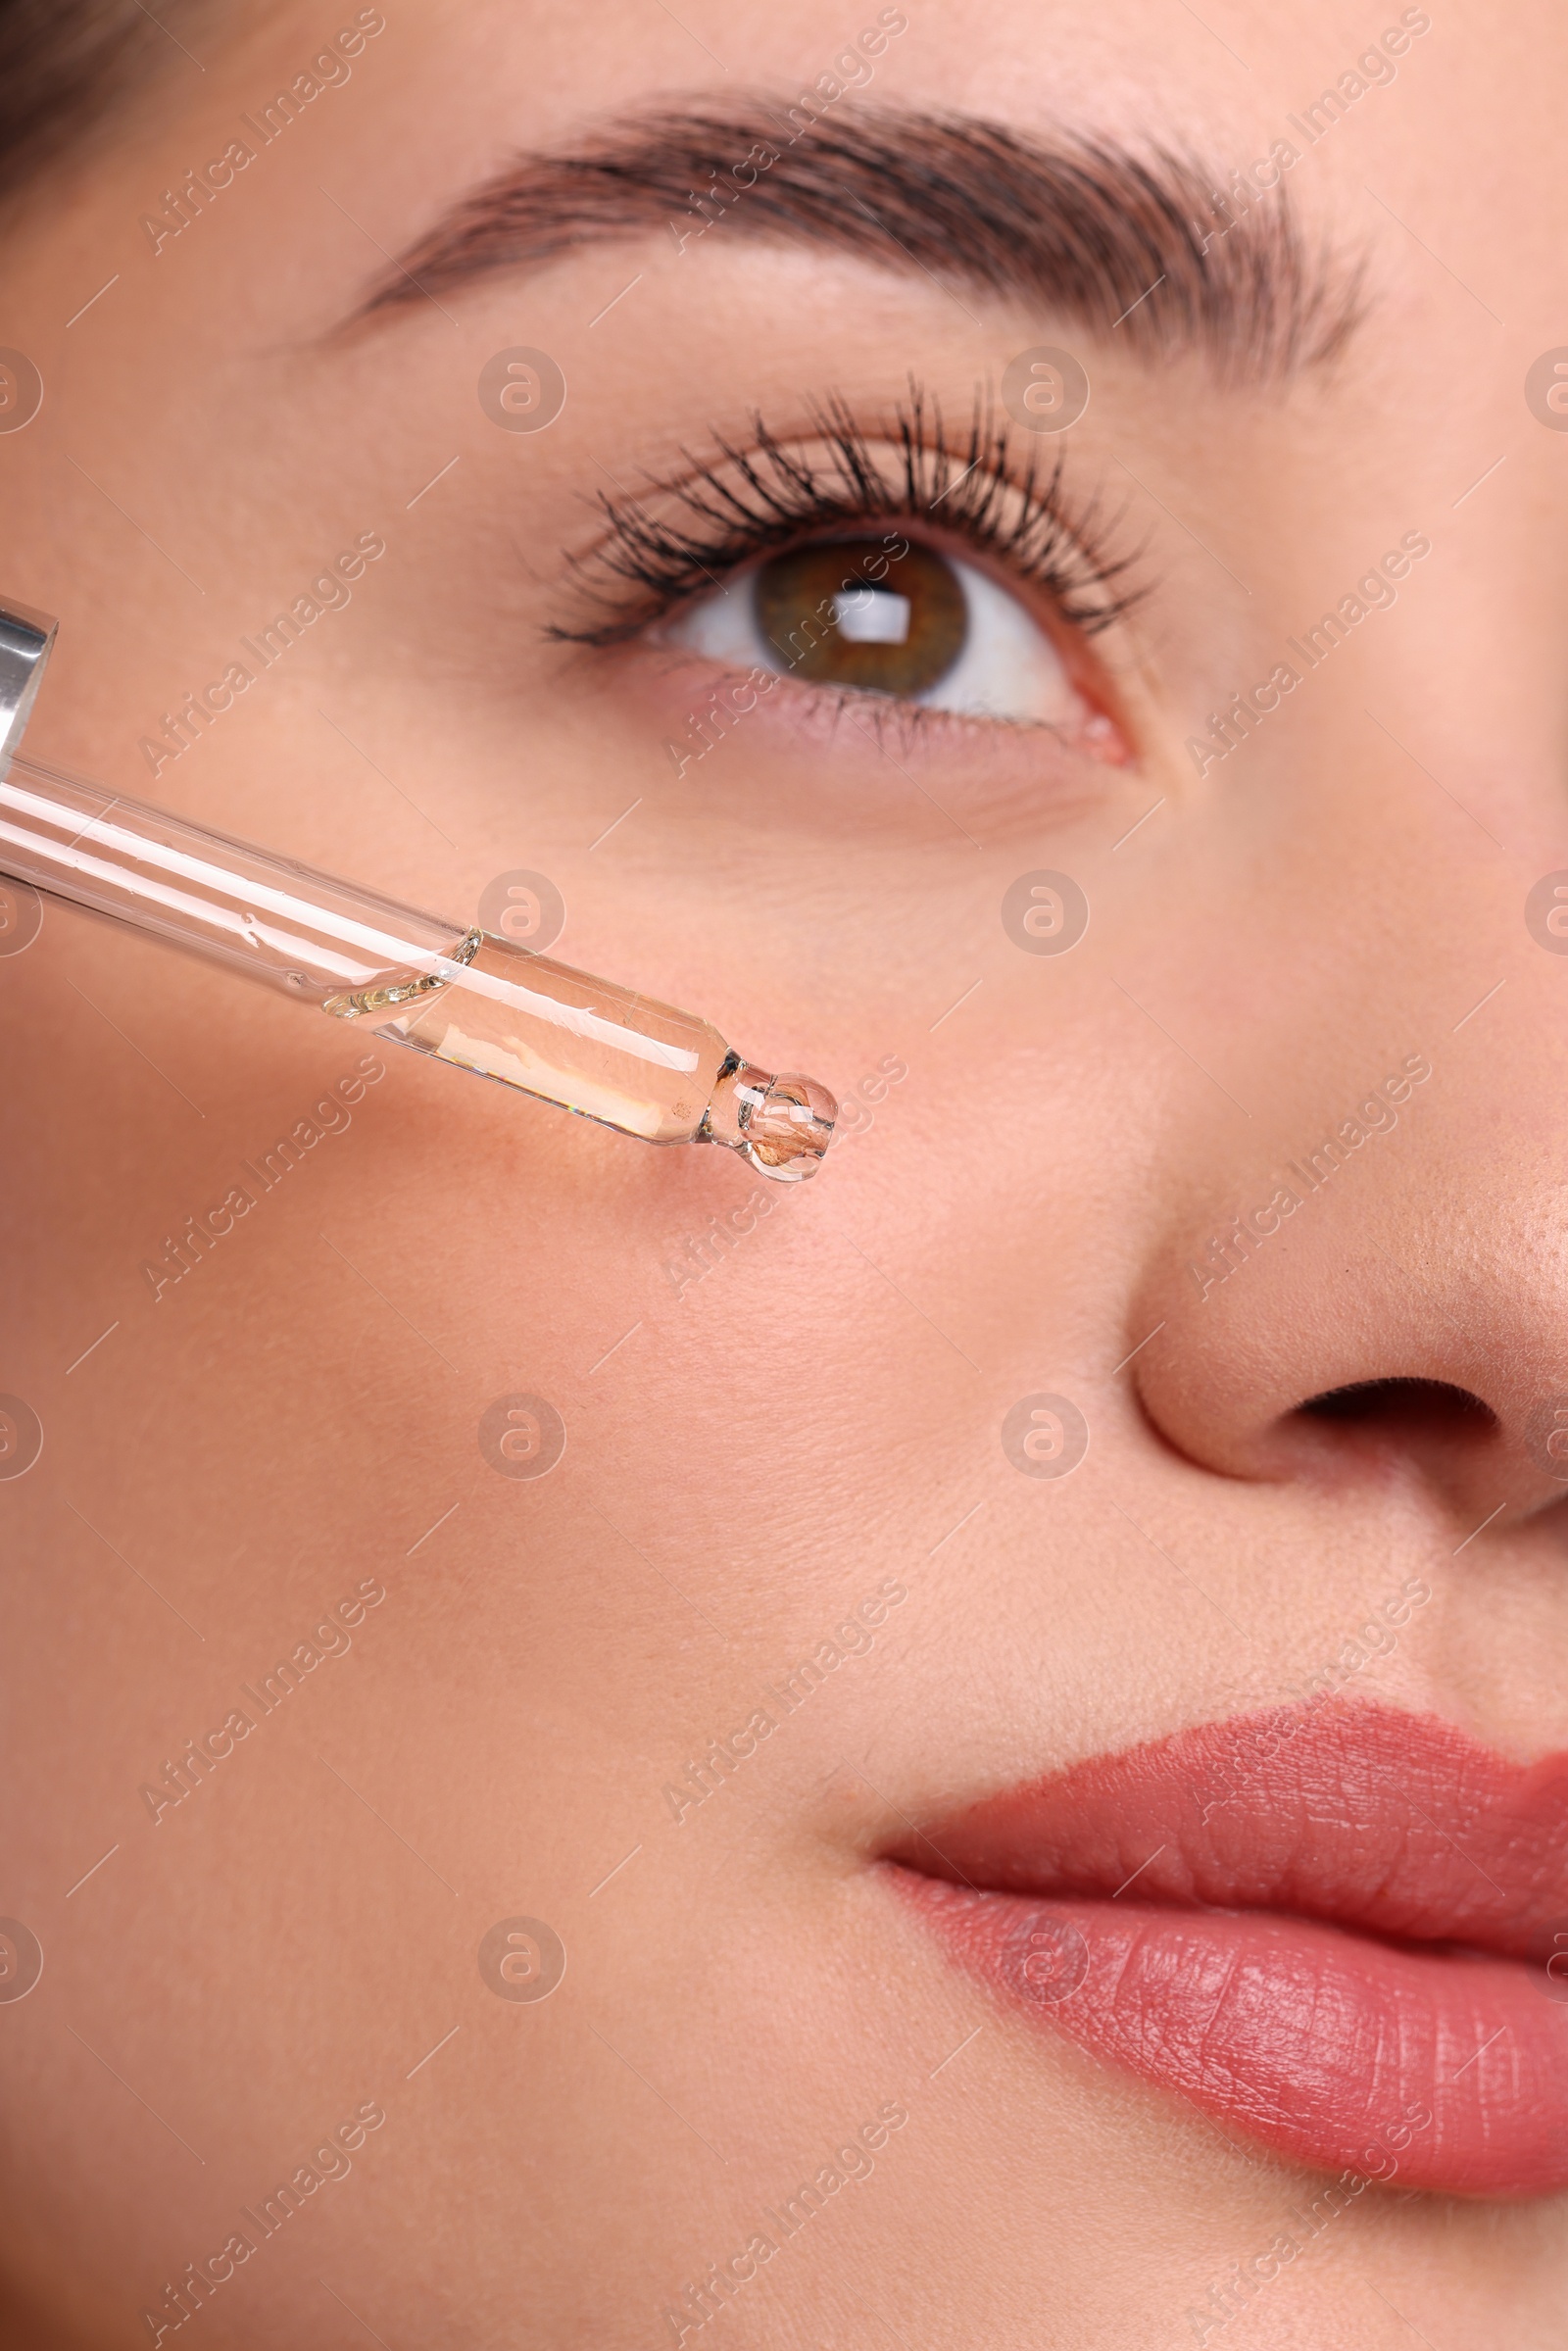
(1405, 1407)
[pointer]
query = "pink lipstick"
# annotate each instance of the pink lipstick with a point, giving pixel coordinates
(1340, 1930)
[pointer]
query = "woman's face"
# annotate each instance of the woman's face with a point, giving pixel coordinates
(959, 1521)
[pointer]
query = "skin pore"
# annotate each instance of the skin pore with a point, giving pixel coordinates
(788, 1440)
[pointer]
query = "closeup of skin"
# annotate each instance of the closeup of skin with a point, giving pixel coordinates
(1196, 1008)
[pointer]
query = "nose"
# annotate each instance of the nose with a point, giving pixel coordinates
(1387, 1304)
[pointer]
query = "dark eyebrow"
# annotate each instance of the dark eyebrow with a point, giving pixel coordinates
(1102, 236)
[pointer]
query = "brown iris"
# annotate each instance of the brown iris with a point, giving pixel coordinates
(850, 612)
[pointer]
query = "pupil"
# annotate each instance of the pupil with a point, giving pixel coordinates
(843, 613)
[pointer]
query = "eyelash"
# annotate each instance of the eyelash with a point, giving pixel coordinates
(738, 505)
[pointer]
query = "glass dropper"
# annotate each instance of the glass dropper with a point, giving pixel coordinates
(456, 994)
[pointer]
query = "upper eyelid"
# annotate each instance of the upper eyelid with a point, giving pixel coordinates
(748, 503)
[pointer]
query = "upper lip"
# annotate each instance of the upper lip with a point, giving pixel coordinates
(1361, 1816)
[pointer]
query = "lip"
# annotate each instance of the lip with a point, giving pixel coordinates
(1329, 1927)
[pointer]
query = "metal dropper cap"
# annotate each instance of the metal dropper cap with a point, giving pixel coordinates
(26, 640)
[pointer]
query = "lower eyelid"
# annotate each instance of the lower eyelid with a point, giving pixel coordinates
(753, 748)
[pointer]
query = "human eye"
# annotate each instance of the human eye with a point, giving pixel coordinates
(894, 567)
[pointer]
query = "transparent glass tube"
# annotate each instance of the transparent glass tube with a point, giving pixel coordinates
(454, 994)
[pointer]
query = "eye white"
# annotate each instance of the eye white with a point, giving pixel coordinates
(1009, 668)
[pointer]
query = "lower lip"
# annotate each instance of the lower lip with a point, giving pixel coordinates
(1341, 1947)
(1446, 2072)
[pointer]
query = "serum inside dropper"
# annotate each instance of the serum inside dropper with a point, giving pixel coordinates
(454, 994)
(599, 1049)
